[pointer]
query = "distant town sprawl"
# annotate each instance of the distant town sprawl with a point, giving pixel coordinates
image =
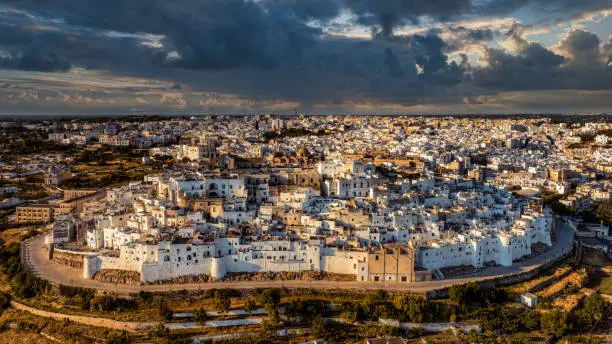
(399, 199)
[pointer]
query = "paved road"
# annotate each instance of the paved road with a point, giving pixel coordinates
(36, 258)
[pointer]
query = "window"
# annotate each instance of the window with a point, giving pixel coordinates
(376, 257)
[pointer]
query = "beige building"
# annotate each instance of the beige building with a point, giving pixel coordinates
(76, 193)
(74, 200)
(35, 213)
(392, 263)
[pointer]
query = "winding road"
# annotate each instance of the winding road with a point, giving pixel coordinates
(35, 256)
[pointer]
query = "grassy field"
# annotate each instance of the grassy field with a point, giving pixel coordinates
(605, 285)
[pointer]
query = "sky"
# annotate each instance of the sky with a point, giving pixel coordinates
(306, 56)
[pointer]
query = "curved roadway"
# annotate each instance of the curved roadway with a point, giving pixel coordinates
(36, 258)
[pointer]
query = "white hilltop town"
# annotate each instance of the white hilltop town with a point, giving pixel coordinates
(372, 199)
(189, 224)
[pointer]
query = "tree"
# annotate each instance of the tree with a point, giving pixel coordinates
(250, 305)
(463, 294)
(411, 308)
(370, 304)
(594, 309)
(317, 327)
(164, 311)
(270, 298)
(200, 316)
(221, 301)
(268, 329)
(417, 332)
(604, 212)
(554, 322)
(596, 305)
(349, 316)
(530, 320)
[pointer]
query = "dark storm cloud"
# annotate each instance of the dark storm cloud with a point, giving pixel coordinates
(393, 13)
(212, 34)
(535, 67)
(472, 35)
(277, 49)
(35, 60)
(582, 48)
(306, 9)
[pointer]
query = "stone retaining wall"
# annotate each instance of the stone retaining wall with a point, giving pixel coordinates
(504, 280)
(91, 321)
(118, 276)
(71, 260)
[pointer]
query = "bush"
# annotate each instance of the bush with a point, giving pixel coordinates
(121, 338)
(305, 309)
(221, 301)
(377, 331)
(250, 305)
(5, 302)
(270, 298)
(108, 303)
(145, 296)
(417, 332)
(594, 309)
(555, 323)
(160, 330)
(317, 327)
(163, 310)
(200, 316)
(23, 284)
(463, 294)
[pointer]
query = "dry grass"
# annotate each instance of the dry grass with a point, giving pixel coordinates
(27, 328)
(576, 278)
(524, 287)
(567, 303)
(13, 234)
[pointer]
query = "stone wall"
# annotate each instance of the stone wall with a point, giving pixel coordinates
(117, 276)
(69, 259)
(91, 321)
(502, 281)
